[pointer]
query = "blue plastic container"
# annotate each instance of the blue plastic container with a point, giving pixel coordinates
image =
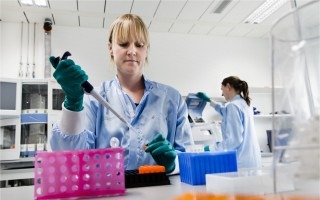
(195, 166)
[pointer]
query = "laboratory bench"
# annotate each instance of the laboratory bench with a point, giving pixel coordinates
(175, 189)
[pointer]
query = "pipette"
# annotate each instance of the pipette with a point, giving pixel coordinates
(88, 88)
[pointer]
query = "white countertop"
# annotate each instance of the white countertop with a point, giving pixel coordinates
(153, 192)
(165, 192)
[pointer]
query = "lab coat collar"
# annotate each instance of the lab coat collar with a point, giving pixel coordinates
(236, 97)
(147, 83)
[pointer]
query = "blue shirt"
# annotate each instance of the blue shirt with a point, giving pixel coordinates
(238, 132)
(161, 110)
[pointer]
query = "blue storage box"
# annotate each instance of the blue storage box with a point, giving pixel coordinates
(195, 166)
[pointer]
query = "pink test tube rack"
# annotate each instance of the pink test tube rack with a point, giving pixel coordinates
(79, 173)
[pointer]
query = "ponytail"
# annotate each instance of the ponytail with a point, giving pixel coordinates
(245, 91)
(240, 86)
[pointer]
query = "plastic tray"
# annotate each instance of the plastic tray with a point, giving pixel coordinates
(250, 181)
(134, 179)
(81, 173)
(194, 166)
(239, 183)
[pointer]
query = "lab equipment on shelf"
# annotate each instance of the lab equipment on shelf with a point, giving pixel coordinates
(203, 133)
(10, 98)
(34, 117)
(10, 109)
(10, 139)
(255, 111)
(34, 96)
(295, 68)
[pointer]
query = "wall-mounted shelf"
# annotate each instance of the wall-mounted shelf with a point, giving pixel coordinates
(264, 90)
(269, 116)
(261, 99)
(263, 116)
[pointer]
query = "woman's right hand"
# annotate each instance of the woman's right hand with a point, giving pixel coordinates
(70, 76)
(203, 96)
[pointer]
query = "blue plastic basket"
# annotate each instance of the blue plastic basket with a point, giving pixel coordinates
(195, 166)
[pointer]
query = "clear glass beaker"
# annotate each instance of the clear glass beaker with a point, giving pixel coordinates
(296, 96)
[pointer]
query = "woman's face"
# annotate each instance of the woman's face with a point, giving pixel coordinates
(226, 91)
(129, 56)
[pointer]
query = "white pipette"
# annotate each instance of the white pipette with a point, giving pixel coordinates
(99, 98)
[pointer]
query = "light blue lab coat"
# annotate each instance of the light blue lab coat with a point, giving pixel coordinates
(161, 110)
(238, 132)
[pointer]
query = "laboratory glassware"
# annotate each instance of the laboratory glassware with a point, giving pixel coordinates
(296, 94)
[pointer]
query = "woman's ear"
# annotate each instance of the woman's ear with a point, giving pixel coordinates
(228, 86)
(110, 49)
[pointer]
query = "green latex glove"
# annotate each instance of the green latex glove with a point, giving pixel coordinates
(203, 96)
(162, 152)
(209, 148)
(70, 77)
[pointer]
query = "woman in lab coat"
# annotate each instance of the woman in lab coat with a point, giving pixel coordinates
(237, 124)
(157, 112)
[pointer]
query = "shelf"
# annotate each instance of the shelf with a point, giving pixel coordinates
(27, 159)
(14, 174)
(270, 116)
(8, 166)
(262, 116)
(263, 90)
(266, 154)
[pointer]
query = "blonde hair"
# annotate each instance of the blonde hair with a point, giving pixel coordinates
(129, 25)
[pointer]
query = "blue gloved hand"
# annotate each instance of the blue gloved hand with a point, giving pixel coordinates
(70, 76)
(203, 96)
(162, 152)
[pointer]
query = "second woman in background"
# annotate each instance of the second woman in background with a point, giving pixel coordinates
(237, 124)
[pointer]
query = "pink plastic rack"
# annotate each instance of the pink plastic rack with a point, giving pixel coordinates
(81, 173)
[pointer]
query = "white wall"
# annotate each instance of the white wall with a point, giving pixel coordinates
(187, 62)
(190, 63)
(194, 63)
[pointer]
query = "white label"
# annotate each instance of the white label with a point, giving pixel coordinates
(40, 147)
(31, 147)
(23, 147)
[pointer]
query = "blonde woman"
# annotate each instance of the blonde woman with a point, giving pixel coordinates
(156, 111)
